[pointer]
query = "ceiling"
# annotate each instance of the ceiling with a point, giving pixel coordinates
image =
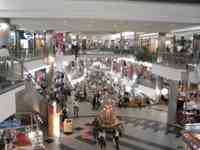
(95, 25)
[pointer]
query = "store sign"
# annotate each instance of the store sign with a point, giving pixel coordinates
(28, 35)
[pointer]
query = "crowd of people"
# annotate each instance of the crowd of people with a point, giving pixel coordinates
(8, 139)
(95, 88)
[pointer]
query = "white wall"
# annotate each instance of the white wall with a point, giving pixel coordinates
(8, 103)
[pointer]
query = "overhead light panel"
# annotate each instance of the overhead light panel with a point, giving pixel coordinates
(4, 27)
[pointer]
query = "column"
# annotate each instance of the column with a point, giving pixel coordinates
(121, 42)
(172, 104)
(67, 41)
(158, 88)
(34, 45)
(18, 47)
(49, 42)
(46, 47)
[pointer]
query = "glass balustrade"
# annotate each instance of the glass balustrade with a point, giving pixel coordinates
(11, 73)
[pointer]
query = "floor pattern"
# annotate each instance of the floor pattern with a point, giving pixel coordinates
(151, 124)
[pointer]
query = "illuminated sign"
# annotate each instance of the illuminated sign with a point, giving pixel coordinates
(28, 35)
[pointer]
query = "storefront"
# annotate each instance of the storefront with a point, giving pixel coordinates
(150, 41)
(59, 39)
(39, 44)
(26, 43)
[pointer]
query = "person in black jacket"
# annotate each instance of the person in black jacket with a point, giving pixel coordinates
(116, 138)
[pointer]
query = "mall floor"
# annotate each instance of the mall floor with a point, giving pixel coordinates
(144, 129)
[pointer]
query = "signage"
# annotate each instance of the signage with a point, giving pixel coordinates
(28, 35)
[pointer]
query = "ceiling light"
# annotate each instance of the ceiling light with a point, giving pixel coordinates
(40, 36)
(4, 26)
(37, 36)
(12, 33)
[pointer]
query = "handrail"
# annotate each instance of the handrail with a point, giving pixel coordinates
(21, 127)
(11, 87)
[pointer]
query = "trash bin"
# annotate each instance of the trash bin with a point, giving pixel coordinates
(68, 126)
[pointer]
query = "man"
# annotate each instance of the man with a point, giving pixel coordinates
(65, 113)
(94, 102)
(4, 51)
(102, 139)
(76, 108)
(116, 138)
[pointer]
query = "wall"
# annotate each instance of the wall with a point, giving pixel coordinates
(8, 103)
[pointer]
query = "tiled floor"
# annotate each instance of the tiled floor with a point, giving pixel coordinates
(145, 129)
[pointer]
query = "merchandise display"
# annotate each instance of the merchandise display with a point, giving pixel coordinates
(191, 136)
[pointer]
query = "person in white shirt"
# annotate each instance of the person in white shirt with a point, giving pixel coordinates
(76, 108)
(4, 51)
(102, 139)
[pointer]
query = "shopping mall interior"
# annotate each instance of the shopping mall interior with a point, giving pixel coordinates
(100, 74)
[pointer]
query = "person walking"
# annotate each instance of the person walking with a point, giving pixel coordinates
(104, 139)
(65, 113)
(100, 139)
(94, 102)
(76, 108)
(116, 138)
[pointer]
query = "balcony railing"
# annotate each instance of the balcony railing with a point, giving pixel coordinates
(177, 60)
(11, 72)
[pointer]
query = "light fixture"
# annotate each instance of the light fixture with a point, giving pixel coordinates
(37, 36)
(73, 37)
(164, 91)
(12, 33)
(40, 36)
(4, 26)
(168, 42)
(51, 59)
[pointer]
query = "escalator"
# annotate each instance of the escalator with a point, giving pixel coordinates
(29, 100)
